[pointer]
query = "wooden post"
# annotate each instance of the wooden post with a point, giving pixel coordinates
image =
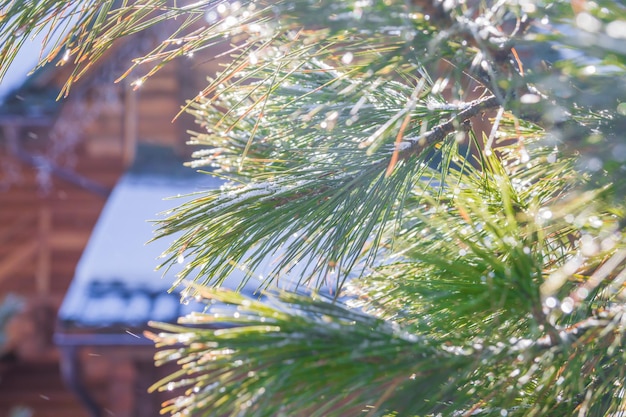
(44, 256)
(72, 373)
(129, 120)
(11, 134)
(122, 388)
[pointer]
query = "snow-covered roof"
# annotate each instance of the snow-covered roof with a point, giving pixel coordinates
(115, 285)
(115, 282)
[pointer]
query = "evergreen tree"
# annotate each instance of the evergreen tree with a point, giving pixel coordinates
(445, 266)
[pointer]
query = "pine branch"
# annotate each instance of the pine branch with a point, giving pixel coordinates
(495, 283)
(257, 360)
(413, 145)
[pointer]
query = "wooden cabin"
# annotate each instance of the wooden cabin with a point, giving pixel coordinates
(59, 162)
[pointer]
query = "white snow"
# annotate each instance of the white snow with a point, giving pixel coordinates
(117, 251)
(119, 263)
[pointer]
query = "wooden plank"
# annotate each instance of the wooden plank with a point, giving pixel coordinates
(73, 224)
(104, 145)
(20, 255)
(110, 127)
(62, 276)
(18, 200)
(129, 136)
(164, 105)
(106, 166)
(38, 385)
(164, 86)
(65, 217)
(69, 240)
(17, 226)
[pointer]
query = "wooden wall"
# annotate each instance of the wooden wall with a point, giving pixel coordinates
(43, 232)
(59, 220)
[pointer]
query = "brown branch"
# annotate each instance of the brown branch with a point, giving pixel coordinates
(578, 330)
(439, 132)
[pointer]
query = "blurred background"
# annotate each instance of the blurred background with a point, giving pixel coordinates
(79, 178)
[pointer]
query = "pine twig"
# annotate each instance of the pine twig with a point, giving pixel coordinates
(413, 145)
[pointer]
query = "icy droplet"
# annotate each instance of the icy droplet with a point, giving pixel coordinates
(530, 99)
(567, 305)
(582, 293)
(619, 152)
(528, 6)
(595, 222)
(253, 58)
(524, 157)
(545, 213)
(588, 245)
(347, 58)
(589, 70)
(587, 22)
(551, 302)
(616, 29)
(211, 16)
(230, 21)
(180, 259)
(594, 164)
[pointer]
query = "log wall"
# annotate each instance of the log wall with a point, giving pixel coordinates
(43, 231)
